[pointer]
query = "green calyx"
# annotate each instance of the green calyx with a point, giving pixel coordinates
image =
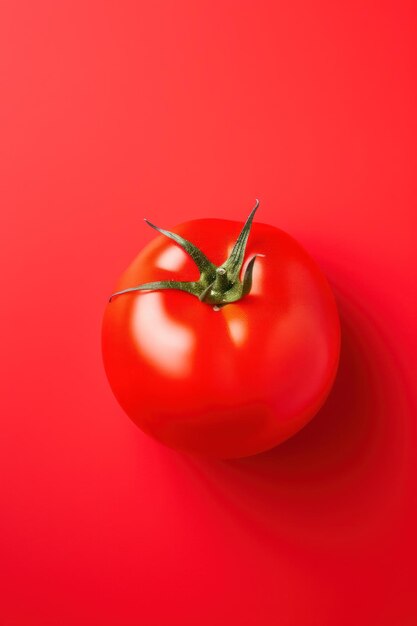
(216, 286)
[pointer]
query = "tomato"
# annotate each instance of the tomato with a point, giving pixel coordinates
(212, 364)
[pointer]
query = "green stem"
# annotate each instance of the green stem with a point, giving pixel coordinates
(217, 285)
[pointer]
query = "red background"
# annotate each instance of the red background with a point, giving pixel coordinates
(113, 111)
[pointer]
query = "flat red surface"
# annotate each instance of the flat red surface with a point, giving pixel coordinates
(114, 111)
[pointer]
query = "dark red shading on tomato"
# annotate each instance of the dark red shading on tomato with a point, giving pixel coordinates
(231, 382)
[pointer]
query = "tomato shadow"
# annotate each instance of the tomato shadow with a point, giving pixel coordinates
(346, 465)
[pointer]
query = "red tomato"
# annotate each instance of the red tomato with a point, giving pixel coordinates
(224, 381)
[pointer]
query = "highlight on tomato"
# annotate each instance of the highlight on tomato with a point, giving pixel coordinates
(221, 340)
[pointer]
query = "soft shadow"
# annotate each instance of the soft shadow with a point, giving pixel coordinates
(344, 470)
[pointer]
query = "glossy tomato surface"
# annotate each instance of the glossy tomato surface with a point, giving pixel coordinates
(231, 382)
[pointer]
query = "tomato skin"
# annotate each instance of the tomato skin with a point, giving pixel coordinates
(232, 382)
